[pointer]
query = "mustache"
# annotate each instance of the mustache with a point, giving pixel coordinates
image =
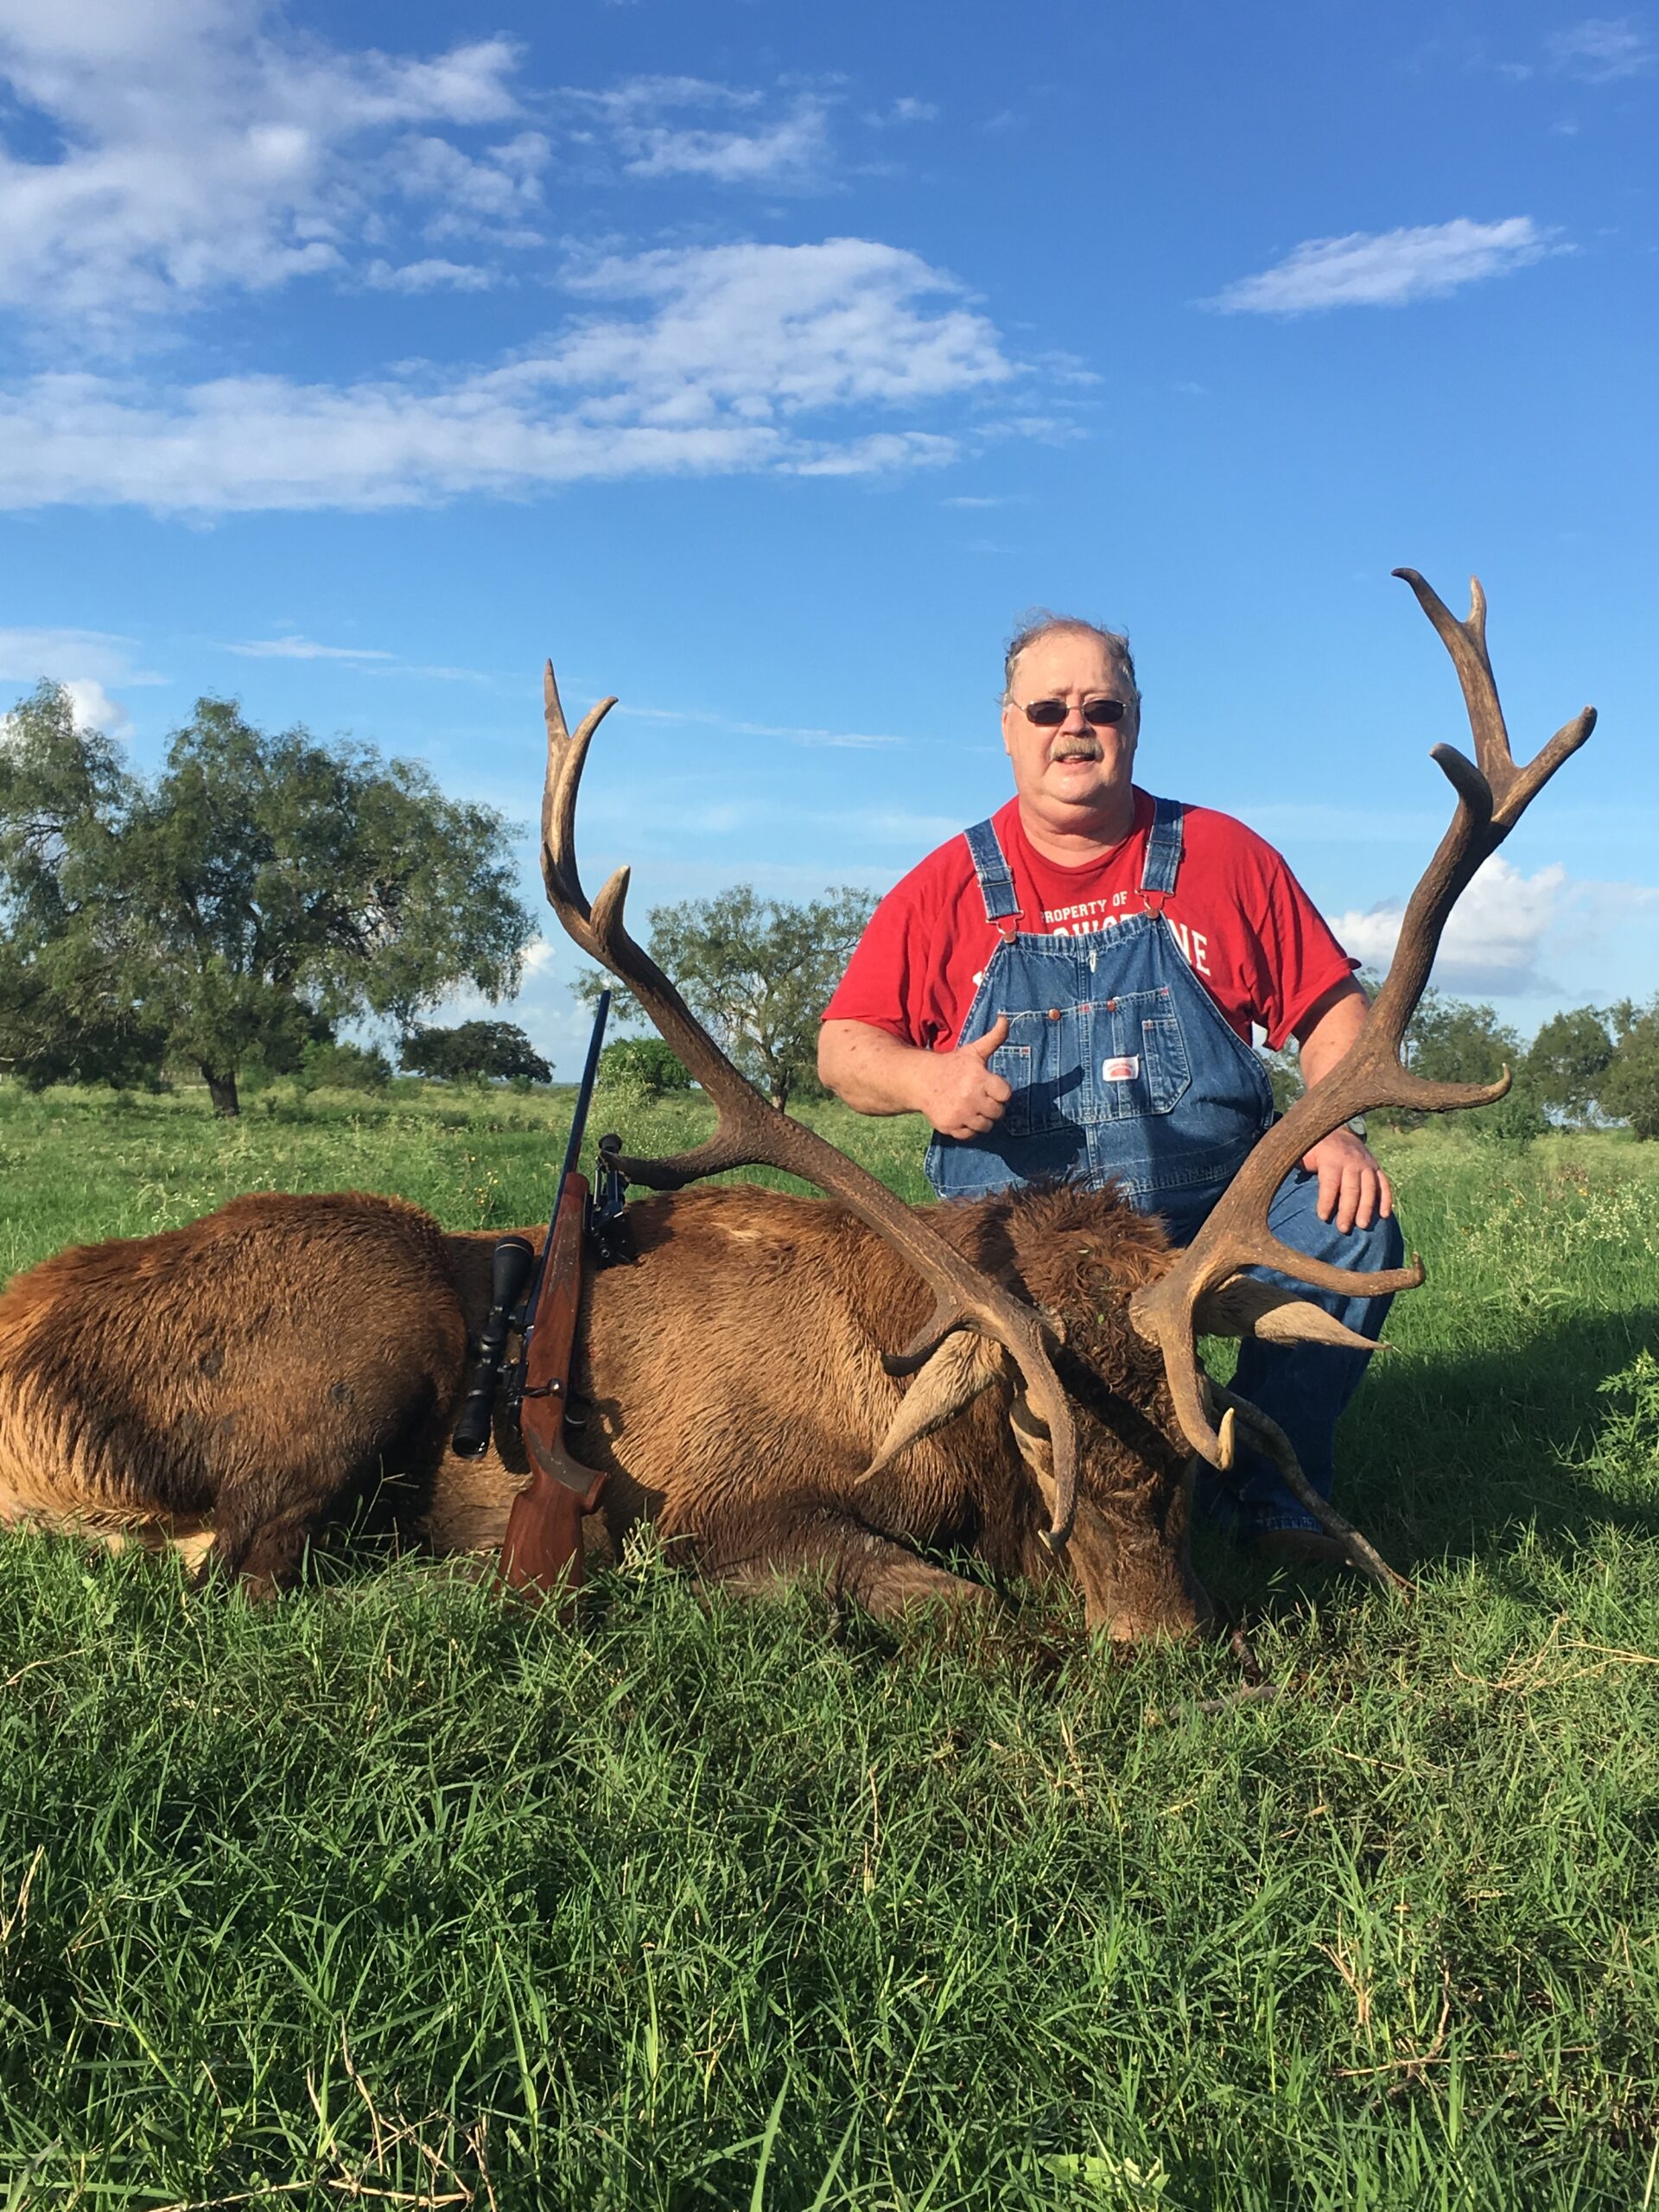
(1077, 748)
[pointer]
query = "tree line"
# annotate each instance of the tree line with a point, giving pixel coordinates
(233, 910)
(265, 888)
(1587, 1065)
(255, 893)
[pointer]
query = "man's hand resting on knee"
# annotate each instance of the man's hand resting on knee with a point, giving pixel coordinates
(1353, 1190)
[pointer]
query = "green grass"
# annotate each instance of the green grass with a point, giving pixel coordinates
(384, 1894)
(79, 1165)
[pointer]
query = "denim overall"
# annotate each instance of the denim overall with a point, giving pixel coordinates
(1122, 1064)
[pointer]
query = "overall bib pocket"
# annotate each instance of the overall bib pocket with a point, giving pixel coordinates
(1138, 1058)
(1042, 1061)
(1013, 1063)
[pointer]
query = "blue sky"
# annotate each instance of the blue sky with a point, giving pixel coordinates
(762, 363)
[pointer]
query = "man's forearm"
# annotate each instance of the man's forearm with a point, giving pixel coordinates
(1332, 1031)
(876, 1073)
(1353, 1190)
(871, 1071)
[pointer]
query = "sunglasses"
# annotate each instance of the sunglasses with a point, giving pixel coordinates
(1099, 714)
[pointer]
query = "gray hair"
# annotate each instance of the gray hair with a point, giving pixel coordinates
(1040, 622)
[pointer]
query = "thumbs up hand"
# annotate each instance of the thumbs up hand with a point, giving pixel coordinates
(964, 1097)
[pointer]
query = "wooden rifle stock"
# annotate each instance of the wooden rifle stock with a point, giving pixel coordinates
(541, 1551)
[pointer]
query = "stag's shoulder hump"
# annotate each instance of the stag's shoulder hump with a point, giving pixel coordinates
(752, 1214)
(248, 1233)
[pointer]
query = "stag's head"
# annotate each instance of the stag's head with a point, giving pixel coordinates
(1081, 1255)
(1085, 1260)
(1074, 1309)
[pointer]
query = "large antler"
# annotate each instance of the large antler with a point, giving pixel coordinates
(1492, 793)
(752, 1133)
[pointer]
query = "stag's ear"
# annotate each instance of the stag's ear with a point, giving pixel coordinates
(964, 1364)
(1243, 1305)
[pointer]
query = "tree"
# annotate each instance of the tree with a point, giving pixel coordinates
(1457, 1040)
(756, 972)
(329, 1065)
(1630, 1086)
(644, 1061)
(62, 1019)
(1284, 1073)
(1568, 1058)
(1452, 1041)
(65, 1015)
(473, 1051)
(259, 888)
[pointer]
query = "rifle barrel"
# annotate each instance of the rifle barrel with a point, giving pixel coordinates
(584, 1095)
(572, 1156)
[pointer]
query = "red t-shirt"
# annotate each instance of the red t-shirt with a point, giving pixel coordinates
(1248, 930)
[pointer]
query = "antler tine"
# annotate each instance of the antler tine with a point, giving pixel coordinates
(1359, 1550)
(1512, 788)
(565, 755)
(752, 1133)
(1491, 797)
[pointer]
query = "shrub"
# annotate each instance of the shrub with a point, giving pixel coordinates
(328, 1065)
(473, 1051)
(1515, 1118)
(1630, 1086)
(645, 1064)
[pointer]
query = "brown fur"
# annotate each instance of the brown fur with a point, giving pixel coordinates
(254, 1372)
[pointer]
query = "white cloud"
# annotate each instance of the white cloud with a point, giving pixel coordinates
(814, 738)
(734, 346)
(1509, 925)
(431, 276)
(28, 655)
(793, 151)
(1389, 268)
(790, 151)
(903, 110)
(774, 329)
(496, 192)
(304, 649)
(373, 658)
(620, 816)
(635, 100)
(90, 707)
(1601, 49)
(256, 442)
(194, 150)
(87, 662)
(94, 709)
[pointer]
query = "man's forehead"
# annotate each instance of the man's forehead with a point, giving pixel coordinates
(1068, 655)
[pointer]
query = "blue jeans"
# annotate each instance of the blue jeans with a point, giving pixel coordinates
(1304, 1387)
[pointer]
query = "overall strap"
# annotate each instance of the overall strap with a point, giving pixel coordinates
(995, 877)
(1163, 848)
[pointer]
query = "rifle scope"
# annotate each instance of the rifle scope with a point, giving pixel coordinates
(510, 1267)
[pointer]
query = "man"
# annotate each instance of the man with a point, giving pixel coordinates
(1069, 990)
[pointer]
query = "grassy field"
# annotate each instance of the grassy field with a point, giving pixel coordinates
(384, 1894)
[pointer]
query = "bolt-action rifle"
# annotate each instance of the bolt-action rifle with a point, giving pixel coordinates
(537, 1298)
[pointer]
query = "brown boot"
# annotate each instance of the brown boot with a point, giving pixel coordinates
(1299, 1547)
